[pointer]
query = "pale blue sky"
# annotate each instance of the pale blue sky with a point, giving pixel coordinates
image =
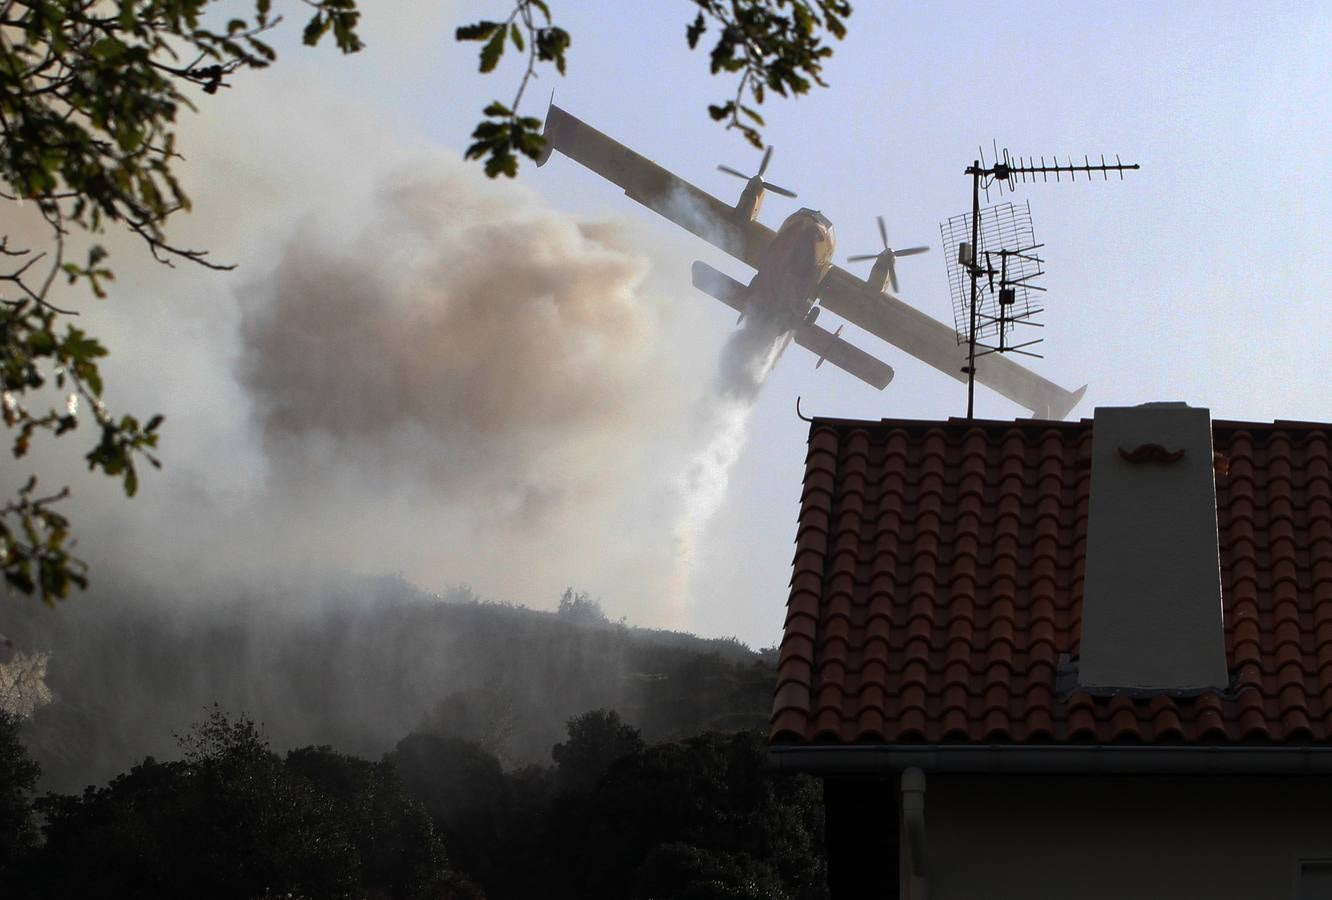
(1200, 278)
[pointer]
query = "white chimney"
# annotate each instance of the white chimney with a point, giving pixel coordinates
(1151, 606)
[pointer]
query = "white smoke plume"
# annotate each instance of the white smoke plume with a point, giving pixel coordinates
(721, 416)
(474, 343)
(746, 361)
(488, 368)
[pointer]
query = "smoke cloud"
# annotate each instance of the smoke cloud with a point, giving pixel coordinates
(467, 387)
(414, 371)
(473, 345)
(746, 360)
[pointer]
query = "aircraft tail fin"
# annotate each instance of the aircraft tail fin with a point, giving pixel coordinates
(1063, 405)
(549, 129)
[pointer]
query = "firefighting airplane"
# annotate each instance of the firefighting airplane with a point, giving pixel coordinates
(793, 268)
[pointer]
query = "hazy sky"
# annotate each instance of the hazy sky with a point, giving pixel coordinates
(510, 385)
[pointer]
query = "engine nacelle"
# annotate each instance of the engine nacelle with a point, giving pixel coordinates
(750, 202)
(878, 277)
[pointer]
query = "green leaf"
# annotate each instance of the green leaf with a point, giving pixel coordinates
(530, 143)
(502, 162)
(551, 44)
(492, 51)
(478, 31)
(108, 48)
(516, 36)
(78, 346)
(315, 29)
(19, 579)
(42, 343)
(695, 31)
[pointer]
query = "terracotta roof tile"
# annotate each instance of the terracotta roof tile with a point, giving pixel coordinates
(937, 579)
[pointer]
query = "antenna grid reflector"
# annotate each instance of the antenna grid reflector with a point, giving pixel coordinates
(1006, 260)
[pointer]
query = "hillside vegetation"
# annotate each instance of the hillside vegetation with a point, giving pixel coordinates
(358, 663)
(367, 740)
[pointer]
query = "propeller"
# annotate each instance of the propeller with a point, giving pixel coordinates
(763, 167)
(888, 254)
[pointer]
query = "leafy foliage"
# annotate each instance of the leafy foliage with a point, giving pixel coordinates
(463, 789)
(234, 820)
(578, 606)
(89, 96)
(701, 819)
(773, 45)
(596, 739)
(697, 819)
(504, 133)
(18, 779)
(682, 871)
(712, 792)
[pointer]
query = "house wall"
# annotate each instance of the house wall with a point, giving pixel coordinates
(997, 837)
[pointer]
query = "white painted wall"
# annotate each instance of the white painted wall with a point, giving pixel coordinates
(1218, 838)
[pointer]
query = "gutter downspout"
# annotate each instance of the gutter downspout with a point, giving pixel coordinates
(913, 832)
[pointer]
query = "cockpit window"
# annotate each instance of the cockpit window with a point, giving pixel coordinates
(816, 216)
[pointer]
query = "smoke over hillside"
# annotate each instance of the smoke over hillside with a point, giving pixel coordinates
(473, 352)
(413, 371)
(447, 379)
(359, 663)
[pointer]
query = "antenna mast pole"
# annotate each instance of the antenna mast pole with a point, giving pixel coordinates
(975, 171)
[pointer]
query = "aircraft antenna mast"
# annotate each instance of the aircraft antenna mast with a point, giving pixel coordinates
(1000, 257)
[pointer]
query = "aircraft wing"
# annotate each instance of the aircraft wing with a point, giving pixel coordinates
(646, 182)
(827, 345)
(935, 343)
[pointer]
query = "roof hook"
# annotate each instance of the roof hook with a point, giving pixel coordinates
(800, 415)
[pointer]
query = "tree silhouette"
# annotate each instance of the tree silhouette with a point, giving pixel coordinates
(596, 739)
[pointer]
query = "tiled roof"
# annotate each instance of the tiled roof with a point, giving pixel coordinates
(937, 590)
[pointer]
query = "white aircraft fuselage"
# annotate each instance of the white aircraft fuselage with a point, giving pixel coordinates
(790, 270)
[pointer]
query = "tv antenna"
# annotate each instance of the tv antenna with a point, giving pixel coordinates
(1007, 254)
(1007, 266)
